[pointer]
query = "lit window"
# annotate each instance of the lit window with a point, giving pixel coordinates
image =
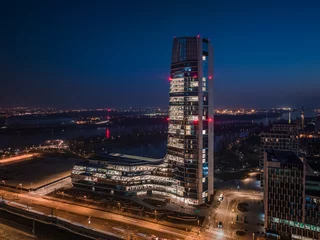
(204, 132)
(204, 179)
(203, 58)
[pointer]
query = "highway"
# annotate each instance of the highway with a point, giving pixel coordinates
(16, 159)
(116, 224)
(123, 226)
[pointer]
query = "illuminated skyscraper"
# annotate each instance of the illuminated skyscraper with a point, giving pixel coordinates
(190, 132)
(186, 172)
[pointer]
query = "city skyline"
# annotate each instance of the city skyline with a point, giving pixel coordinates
(67, 55)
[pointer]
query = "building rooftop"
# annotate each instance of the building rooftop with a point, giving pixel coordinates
(283, 157)
(127, 160)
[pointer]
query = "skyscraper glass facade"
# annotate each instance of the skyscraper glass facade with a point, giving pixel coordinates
(186, 172)
(190, 134)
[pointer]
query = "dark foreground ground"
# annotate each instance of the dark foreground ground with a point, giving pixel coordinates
(43, 231)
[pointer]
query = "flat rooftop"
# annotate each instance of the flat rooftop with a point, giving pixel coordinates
(37, 172)
(127, 160)
(283, 157)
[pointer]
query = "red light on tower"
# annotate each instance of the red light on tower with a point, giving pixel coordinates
(210, 77)
(170, 78)
(210, 119)
(196, 120)
(168, 119)
(195, 76)
(198, 35)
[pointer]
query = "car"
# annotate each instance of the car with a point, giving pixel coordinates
(220, 225)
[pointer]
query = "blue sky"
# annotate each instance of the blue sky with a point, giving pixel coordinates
(117, 53)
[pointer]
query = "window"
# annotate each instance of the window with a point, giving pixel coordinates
(203, 58)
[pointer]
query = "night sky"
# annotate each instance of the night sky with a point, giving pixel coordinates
(117, 53)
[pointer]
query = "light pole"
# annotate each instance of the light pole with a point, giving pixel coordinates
(34, 227)
(20, 187)
(4, 182)
(253, 236)
(85, 200)
(155, 214)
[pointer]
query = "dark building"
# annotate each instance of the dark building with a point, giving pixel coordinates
(282, 137)
(291, 203)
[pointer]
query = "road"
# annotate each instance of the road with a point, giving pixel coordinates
(20, 158)
(124, 226)
(226, 212)
(116, 224)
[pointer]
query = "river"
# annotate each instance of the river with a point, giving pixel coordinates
(23, 139)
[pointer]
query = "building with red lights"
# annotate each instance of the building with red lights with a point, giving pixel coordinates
(186, 172)
(190, 132)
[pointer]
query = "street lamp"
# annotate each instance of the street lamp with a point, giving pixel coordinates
(85, 200)
(20, 187)
(155, 214)
(4, 182)
(119, 205)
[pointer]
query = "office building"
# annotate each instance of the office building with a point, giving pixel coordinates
(186, 172)
(190, 133)
(282, 137)
(291, 204)
(124, 175)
